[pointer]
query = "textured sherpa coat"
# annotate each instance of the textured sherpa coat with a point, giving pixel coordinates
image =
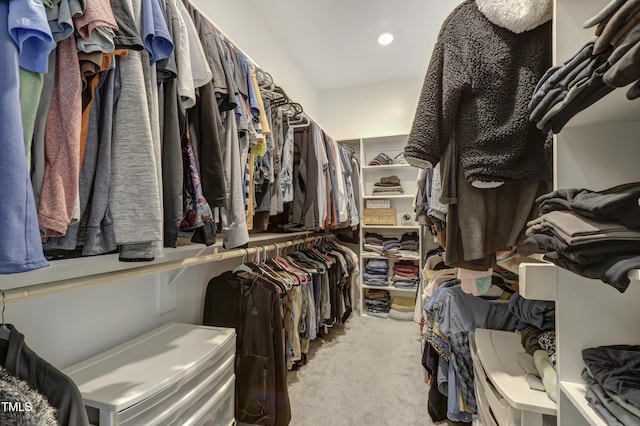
(488, 58)
(29, 407)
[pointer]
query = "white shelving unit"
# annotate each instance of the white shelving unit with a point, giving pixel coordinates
(392, 146)
(598, 149)
(394, 197)
(388, 167)
(398, 227)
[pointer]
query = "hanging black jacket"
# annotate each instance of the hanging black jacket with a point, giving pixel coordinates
(253, 307)
(60, 390)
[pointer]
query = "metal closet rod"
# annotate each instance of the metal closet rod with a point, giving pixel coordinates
(23, 293)
(226, 37)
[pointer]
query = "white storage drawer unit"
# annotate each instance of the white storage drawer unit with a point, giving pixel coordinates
(177, 374)
(502, 393)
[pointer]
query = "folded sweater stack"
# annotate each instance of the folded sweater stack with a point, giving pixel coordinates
(593, 234)
(402, 308)
(406, 274)
(378, 303)
(388, 185)
(376, 272)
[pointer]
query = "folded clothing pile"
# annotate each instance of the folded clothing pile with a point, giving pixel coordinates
(609, 62)
(402, 308)
(373, 242)
(406, 274)
(410, 244)
(399, 159)
(381, 159)
(391, 247)
(613, 382)
(376, 272)
(388, 185)
(593, 234)
(378, 303)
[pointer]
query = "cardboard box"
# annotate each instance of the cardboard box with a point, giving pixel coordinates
(380, 217)
(378, 204)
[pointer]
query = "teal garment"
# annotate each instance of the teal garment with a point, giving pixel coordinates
(31, 84)
(547, 373)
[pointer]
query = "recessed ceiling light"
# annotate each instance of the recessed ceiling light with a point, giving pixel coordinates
(385, 39)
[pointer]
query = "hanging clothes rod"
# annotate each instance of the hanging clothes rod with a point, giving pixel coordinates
(226, 37)
(23, 293)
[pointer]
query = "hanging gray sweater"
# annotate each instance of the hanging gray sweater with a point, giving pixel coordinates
(480, 79)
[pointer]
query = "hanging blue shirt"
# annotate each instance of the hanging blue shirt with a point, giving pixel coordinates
(29, 28)
(20, 246)
(157, 39)
(253, 99)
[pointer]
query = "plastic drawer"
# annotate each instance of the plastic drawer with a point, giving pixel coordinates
(504, 414)
(155, 375)
(219, 366)
(217, 411)
(486, 418)
(185, 400)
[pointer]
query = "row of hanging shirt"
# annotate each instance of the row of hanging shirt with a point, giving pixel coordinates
(129, 122)
(324, 182)
(277, 306)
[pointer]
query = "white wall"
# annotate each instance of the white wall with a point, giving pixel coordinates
(240, 23)
(382, 109)
(67, 327)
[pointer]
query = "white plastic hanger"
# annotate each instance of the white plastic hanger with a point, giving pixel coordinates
(242, 267)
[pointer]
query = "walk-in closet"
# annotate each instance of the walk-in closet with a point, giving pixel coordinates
(319, 213)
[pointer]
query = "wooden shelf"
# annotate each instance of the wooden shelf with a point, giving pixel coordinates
(390, 288)
(271, 236)
(538, 278)
(576, 393)
(412, 227)
(396, 197)
(83, 267)
(371, 255)
(389, 167)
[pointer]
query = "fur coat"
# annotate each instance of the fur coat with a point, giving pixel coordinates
(488, 58)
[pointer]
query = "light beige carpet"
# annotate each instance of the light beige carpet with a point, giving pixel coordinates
(365, 373)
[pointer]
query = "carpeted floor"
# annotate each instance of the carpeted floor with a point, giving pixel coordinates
(365, 373)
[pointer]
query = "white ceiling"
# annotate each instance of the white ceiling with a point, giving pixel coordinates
(335, 41)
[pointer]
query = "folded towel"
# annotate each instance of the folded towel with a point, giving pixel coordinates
(399, 159)
(379, 190)
(390, 179)
(380, 160)
(401, 302)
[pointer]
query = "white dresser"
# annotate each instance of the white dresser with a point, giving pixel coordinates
(177, 374)
(502, 393)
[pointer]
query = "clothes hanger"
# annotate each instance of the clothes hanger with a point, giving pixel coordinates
(299, 122)
(267, 268)
(242, 267)
(280, 97)
(5, 333)
(270, 275)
